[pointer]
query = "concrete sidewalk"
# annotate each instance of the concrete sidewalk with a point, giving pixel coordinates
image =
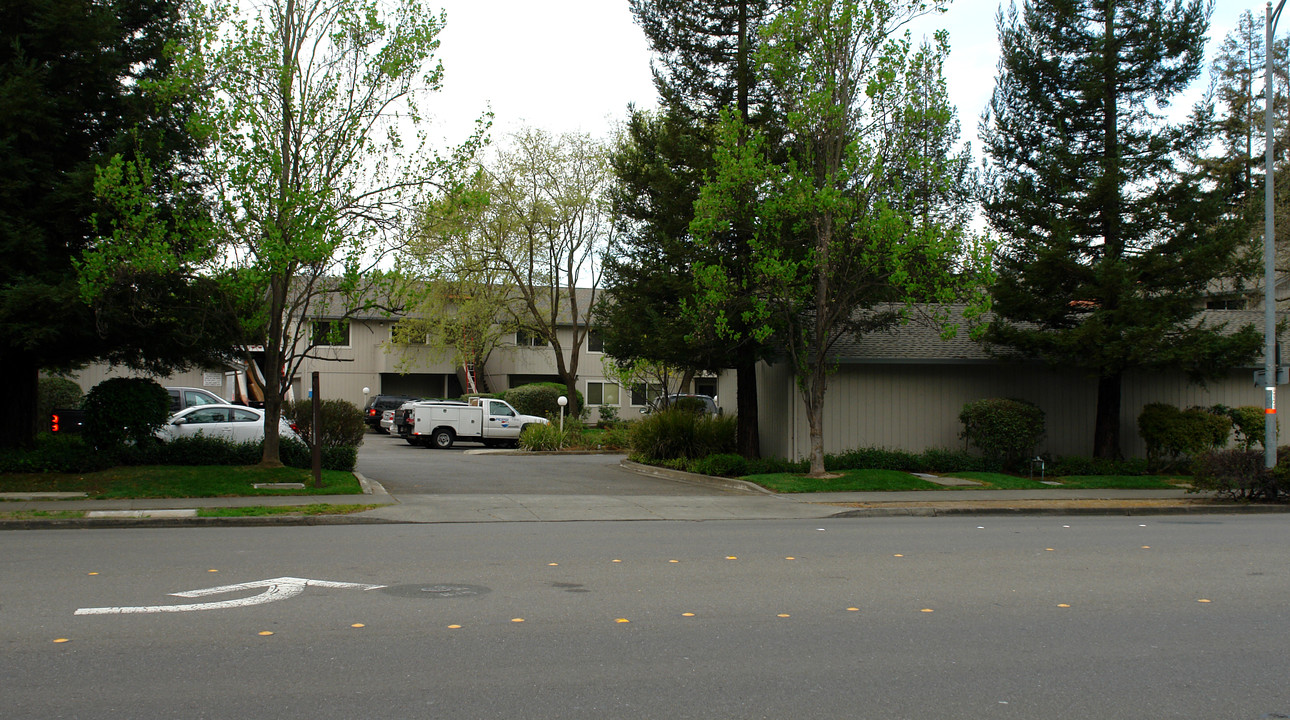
(737, 501)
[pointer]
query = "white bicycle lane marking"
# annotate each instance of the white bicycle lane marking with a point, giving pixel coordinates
(274, 589)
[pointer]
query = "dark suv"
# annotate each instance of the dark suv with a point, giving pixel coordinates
(378, 405)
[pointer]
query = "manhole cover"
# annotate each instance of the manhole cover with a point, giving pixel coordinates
(436, 591)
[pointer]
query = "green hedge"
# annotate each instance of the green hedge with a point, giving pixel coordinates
(1172, 435)
(341, 421)
(539, 399)
(124, 410)
(676, 433)
(1006, 431)
(71, 454)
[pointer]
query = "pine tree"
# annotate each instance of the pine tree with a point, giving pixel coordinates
(1109, 241)
(86, 86)
(704, 63)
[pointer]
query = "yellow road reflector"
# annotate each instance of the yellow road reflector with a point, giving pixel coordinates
(212, 570)
(1062, 605)
(898, 555)
(927, 610)
(731, 557)
(617, 560)
(1202, 600)
(853, 609)
(674, 561)
(1048, 550)
(517, 619)
(1146, 547)
(454, 627)
(93, 573)
(358, 625)
(687, 614)
(790, 557)
(61, 640)
(266, 632)
(553, 564)
(622, 620)
(783, 615)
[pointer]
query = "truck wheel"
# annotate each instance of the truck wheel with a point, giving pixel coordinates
(442, 438)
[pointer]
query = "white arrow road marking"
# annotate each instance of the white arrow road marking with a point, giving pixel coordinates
(275, 589)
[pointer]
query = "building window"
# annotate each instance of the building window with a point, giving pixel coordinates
(405, 335)
(594, 342)
(331, 333)
(1228, 304)
(645, 393)
(705, 386)
(524, 338)
(599, 393)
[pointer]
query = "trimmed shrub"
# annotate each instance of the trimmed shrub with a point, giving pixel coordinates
(1006, 431)
(1239, 474)
(56, 454)
(774, 465)
(607, 416)
(672, 433)
(539, 399)
(1077, 465)
(549, 437)
(618, 437)
(1247, 424)
(1172, 434)
(723, 465)
(121, 410)
(56, 392)
(342, 421)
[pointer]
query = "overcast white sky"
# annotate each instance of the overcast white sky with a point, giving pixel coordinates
(574, 65)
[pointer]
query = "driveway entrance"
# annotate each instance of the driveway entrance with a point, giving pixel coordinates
(408, 470)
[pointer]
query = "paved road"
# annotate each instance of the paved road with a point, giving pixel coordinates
(408, 470)
(1030, 618)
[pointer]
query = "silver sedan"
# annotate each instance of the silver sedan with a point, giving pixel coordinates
(232, 422)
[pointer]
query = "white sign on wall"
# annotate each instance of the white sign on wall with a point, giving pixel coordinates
(212, 379)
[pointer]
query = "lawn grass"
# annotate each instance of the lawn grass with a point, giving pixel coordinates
(893, 480)
(163, 481)
(850, 481)
(266, 510)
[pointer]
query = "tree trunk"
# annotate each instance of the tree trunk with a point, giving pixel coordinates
(749, 443)
(1106, 433)
(815, 417)
(18, 421)
(273, 354)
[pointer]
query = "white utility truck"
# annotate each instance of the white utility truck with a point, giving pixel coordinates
(491, 422)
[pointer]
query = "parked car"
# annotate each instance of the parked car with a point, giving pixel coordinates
(704, 404)
(387, 420)
(377, 407)
(186, 397)
(67, 420)
(231, 422)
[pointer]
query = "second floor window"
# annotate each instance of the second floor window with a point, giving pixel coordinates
(525, 338)
(594, 341)
(331, 333)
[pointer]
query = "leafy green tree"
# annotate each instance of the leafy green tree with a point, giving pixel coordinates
(867, 208)
(705, 62)
(313, 178)
(536, 224)
(1109, 240)
(1235, 163)
(81, 83)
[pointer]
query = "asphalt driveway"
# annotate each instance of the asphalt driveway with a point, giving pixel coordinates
(408, 470)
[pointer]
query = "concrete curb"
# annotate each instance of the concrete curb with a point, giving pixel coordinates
(695, 478)
(1107, 511)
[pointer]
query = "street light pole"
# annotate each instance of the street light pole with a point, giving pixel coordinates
(1269, 273)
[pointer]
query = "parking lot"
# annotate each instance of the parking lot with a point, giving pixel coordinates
(466, 469)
